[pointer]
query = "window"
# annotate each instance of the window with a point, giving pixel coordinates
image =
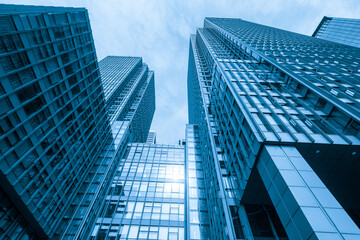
(34, 105)
(6, 24)
(28, 92)
(9, 43)
(5, 105)
(133, 232)
(110, 211)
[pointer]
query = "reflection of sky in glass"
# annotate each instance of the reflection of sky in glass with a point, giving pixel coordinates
(150, 203)
(175, 172)
(197, 211)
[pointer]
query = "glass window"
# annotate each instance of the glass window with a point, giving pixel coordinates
(133, 232)
(195, 232)
(194, 217)
(163, 233)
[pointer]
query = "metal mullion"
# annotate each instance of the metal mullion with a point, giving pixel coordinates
(255, 105)
(349, 110)
(276, 104)
(46, 105)
(325, 122)
(317, 129)
(216, 163)
(28, 136)
(100, 183)
(241, 105)
(25, 49)
(48, 177)
(45, 59)
(35, 80)
(44, 153)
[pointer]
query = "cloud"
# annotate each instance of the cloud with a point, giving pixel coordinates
(159, 32)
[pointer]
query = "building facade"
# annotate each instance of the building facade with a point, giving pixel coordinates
(129, 93)
(130, 104)
(271, 151)
(53, 117)
(196, 208)
(63, 128)
(158, 192)
(146, 199)
(340, 30)
(278, 121)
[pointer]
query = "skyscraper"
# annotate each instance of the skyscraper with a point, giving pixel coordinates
(340, 30)
(53, 118)
(146, 199)
(196, 208)
(129, 93)
(271, 151)
(63, 129)
(130, 104)
(278, 117)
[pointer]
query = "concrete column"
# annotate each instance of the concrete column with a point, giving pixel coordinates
(305, 206)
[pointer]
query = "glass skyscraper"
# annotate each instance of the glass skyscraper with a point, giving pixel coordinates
(130, 104)
(53, 117)
(63, 128)
(146, 199)
(129, 94)
(271, 152)
(278, 118)
(196, 208)
(340, 30)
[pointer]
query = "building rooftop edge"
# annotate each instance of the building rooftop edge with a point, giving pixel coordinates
(16, 9)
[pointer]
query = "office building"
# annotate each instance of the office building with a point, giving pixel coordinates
(63, 129)
(278, 117)
(158, 192)
(129, 93)
(340, 30)
(146, 199)
(130, 104)
(271, 151)
(196, 208)
(53, 118)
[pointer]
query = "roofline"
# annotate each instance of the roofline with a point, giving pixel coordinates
(9, 9)
(323, 20)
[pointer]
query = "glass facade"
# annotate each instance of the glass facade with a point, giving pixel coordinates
(146, 198)
(271, 151)
(276, 112)
(53, 117)
(130, 108)
(340, 30)
(130, 93)
(64, 130)
(151, 137)
(196, 205)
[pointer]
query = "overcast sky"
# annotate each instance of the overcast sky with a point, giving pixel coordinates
(158, 31)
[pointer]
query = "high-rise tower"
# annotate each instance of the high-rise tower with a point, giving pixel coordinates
(63, 129)
(340, 30)
(53, 117)
(146, 199)
(129, 93)
(130, 104)
(278, 115)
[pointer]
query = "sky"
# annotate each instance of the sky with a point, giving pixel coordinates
(159, 31)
